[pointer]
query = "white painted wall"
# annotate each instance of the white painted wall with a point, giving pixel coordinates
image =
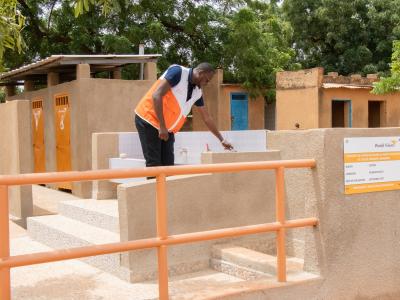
(188, 147)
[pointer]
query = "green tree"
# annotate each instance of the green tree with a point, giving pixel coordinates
(249, 39)
(82, 6)
(345, 36)
(51, 28)
(390, 84)
(11, 24)
(257, 46)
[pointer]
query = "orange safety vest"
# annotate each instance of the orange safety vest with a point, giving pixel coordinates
(175, 106)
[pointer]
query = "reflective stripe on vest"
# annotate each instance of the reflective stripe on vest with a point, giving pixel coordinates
(175, 106)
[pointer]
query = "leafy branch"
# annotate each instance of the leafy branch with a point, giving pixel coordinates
(390, 84)
(11, 24)
(82, 6)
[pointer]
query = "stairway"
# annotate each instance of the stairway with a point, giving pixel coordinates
(241, 270)
(238, 272)
(82, 223)
(248, 264)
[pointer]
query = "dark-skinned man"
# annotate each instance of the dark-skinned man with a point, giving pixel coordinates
(162, 111)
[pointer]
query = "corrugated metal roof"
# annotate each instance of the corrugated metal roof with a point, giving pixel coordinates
(345, 85)
(58, 62)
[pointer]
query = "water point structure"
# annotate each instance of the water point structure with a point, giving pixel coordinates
(293, 214)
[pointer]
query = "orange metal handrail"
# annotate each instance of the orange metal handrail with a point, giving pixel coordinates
(163, 239)
(154, 171)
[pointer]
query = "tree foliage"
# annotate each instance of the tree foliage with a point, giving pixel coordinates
(11, 24)
(390, 84)
(251, 40)
(82, 6)
(257, 46)
(345, 36)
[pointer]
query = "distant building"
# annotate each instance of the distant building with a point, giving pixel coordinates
(309, 99)
(68, 104)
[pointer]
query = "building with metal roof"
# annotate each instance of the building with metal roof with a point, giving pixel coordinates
(65, 67)
(66, 103)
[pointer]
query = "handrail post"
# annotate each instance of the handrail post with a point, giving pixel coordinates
(162, 233)
(280, 217)
(5, 285)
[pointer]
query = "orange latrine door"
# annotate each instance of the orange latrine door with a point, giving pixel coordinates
(63, 137)
(38, 136)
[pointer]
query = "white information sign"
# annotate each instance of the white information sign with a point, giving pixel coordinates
(371, 164)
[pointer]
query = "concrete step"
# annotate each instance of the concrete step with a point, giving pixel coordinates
(60, 232)
(249, 264)
(98, 213)
(72, 279)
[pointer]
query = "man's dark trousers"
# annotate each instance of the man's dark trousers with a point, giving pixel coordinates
(156, 152)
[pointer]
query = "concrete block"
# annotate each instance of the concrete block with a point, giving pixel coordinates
(238, 271)
(102, 214)
(249, 264)
(59, 232)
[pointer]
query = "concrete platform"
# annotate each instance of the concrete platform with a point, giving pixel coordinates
(249, 264)
(45, 200)
(59, 232)
(86, 221)
(102, 214)
(73, 279)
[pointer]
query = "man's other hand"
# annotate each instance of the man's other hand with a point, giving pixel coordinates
(163, 134)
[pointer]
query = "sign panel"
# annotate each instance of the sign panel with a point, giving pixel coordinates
(371, 164)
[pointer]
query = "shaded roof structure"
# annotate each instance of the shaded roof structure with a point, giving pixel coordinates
(66, 64)
(346, 86)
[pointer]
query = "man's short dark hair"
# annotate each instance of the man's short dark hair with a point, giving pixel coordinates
(205, 67)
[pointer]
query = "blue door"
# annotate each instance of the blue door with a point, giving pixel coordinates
(239, 111)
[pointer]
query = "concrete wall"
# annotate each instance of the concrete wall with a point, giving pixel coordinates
(96, 105)
(212, 98)
(104, 146)
(297, 95)
(197, 203)
(106, 105)
(355, 247)
(16, 153)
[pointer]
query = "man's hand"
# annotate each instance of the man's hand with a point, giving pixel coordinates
(227, 145)
(163, 134)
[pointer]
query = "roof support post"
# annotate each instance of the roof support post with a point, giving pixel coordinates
(82, 71)
(53, 78)
(141, 52)
(150, 71)
(116, 74)
(10, 91)
(28, 85)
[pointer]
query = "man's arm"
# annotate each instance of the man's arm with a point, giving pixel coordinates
(211, 126)
(158, 107)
